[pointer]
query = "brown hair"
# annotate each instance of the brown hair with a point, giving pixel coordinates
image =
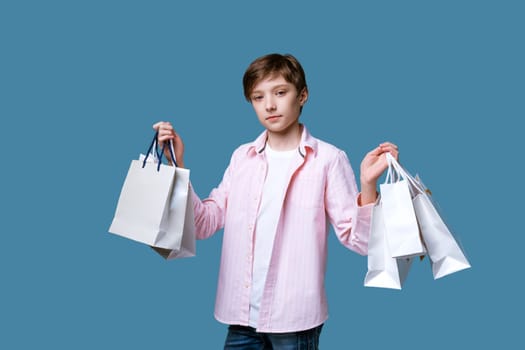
(274, 64)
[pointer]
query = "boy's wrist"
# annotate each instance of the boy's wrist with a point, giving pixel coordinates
(368, 193)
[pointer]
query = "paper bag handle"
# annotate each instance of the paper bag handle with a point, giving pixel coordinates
(396, 171)
(172, 152)
(154, 144)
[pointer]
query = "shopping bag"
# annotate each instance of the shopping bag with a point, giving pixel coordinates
(399, 216)
(151, 194)
(180, 237)
(445, 253)
(384, 271)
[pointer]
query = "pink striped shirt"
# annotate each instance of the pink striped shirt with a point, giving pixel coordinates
(321, 189)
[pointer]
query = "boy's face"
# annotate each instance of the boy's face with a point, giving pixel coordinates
(277, 104)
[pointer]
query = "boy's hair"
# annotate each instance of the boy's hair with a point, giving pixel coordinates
(274, 64)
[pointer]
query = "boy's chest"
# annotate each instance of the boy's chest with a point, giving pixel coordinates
(304, 181)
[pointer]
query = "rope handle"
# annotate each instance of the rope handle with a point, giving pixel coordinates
(158, 155)
(396, 172)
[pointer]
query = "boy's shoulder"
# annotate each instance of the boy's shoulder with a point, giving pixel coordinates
(243, 152)
(319, 146)
(251, 147)
(328, 153)
(244, 148)
(327, 147)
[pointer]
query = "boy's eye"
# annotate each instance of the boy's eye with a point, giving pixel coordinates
(281, 92)
(257, 97)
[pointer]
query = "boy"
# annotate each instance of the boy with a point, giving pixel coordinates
(274, 202)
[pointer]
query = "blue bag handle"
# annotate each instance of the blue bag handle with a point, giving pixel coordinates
(154, 143)
(172, 151)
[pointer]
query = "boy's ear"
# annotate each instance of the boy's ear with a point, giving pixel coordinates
(303, 96)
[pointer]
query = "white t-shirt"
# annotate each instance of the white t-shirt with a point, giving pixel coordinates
(279, 163)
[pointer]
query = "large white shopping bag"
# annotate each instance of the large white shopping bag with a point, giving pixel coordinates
(152, 204)
(401, 224)
(384, 271)
(445, 253)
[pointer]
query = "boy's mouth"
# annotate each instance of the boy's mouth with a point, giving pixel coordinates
(272, 117)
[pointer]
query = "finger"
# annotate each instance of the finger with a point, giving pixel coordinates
(165, 137)
(388, 149)
(166, 130)
(157, 125)
(388, 145)
(393, 152)
(162, 126)
(376, 151)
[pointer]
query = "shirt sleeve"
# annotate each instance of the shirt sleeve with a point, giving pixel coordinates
(350, 221)
(210, 213)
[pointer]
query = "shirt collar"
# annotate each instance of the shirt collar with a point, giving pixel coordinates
(307, 142)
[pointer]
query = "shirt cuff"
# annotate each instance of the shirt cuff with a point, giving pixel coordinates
(369, 204)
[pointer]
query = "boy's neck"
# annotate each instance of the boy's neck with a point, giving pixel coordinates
(286, 140)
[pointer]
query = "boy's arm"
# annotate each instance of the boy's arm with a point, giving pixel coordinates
(210, 213)
(350, 221)
(368, 194)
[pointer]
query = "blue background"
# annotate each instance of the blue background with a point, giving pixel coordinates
(81, 83)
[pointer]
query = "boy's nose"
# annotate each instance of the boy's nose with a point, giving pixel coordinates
(270, 105)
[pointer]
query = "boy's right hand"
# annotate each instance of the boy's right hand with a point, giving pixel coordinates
(166, 133)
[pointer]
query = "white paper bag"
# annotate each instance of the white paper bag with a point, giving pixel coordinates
(180, 237)
(143, 203)
(154, 206)
(384, 271)
(445, 253)
(398, 212)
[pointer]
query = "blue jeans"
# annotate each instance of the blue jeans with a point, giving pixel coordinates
(246, 338)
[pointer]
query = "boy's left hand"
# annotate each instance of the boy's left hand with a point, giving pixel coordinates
(375, 163)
